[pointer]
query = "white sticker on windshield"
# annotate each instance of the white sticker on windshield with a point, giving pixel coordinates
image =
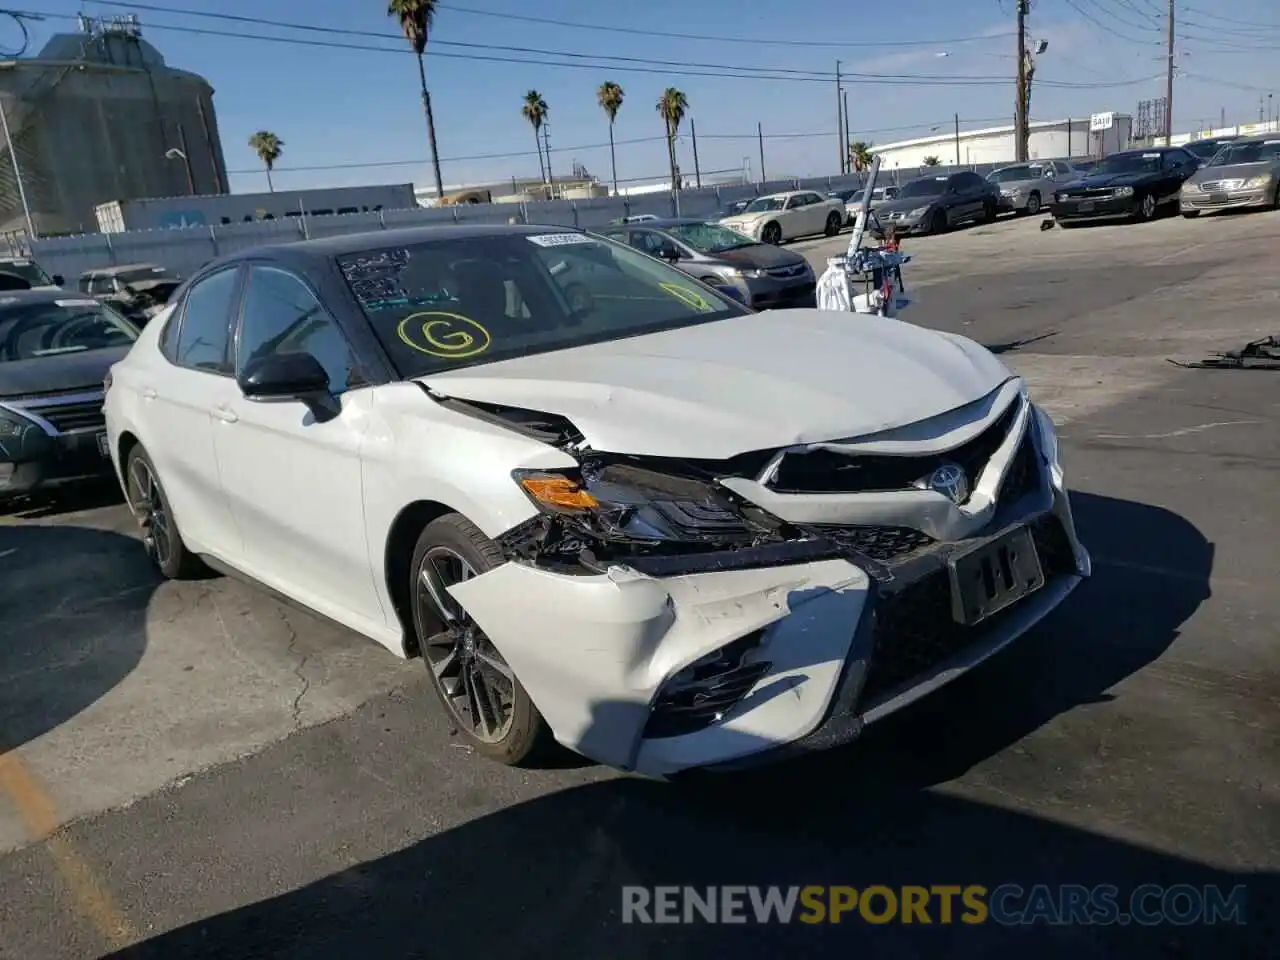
(1151, 156)
(560, 239)
(1271, 143)
(76, 303)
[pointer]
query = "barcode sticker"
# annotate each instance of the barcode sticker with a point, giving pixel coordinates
(560, 239)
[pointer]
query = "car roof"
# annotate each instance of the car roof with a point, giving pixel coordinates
(112, 271)
(663, 222)
(15, 298)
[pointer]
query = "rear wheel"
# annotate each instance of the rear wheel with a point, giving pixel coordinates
(833, 224)
(479, 690)
(160, 534)
(772, 233)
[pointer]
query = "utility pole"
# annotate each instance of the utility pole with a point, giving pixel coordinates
(1168, 86)
(1020, 103)
(848, 164)
(760, 139)
(546, 146)
(1261, 106)
(844, 150)
(957, 139)
(697, 172)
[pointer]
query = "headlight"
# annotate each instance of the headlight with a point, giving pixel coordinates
(918, 212)
(1059, 197)
(1190, 186)
(621, 502)
(751, 274)
(20, 439)
(1124, 191)
(1257, 183)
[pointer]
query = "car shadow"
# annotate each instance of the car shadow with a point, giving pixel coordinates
(73, 604)
(42, 504)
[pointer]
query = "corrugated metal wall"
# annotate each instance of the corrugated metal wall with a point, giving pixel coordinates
(185, 250)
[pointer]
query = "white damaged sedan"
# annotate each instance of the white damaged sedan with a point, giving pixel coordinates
(605, 503)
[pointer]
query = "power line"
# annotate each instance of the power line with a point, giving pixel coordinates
(580, 148)
(580, 61)
(1107, 28)
(575, 25)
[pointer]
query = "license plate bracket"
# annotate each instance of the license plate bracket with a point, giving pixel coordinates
(994, 575)
(103, 447)
(1086, 206)
(1218, 198)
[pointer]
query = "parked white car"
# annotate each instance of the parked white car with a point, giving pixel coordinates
(633, 516)
(786, 216)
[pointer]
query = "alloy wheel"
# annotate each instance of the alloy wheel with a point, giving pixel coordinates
(1033, 204)
(149, 506)
(477, 683)
(772, 233)
(1148, 206)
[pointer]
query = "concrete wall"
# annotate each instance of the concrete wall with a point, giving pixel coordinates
(1046, 141)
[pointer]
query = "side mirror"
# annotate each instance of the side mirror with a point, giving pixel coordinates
(58, 279)
(290, 376)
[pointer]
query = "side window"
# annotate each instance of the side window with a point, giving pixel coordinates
(281, 315)
(617, 236)
(647, 241)
(206, 323)
(86, 285)
(169, 337)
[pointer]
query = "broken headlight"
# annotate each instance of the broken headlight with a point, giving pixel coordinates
(624, 502)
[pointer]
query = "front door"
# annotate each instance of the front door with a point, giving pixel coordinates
(294, 484)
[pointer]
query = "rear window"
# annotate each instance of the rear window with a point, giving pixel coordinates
(26, 270)
(450, 304)
(33, 330)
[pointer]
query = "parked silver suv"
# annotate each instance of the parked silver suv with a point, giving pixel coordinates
(1026, 187)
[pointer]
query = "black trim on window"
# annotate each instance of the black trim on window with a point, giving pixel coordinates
(233, 307)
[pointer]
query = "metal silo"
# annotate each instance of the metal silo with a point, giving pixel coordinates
(97, 116)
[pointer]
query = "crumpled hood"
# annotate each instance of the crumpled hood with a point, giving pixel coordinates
(747, 383)
(745, 221)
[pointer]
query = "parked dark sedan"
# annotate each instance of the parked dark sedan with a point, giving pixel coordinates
(1131, 185)
(55, 350)
(934, 204)
(765, 275)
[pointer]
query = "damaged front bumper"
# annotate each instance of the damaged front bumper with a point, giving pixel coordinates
(659, 665)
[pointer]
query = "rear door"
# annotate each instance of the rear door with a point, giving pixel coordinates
(177, 416)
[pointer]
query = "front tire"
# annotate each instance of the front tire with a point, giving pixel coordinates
(1190, 214)
(938, 222)
(478, 689)
(771, 234)
(1147, 207)
(1033, 204)
(833, 224)
(160, 534)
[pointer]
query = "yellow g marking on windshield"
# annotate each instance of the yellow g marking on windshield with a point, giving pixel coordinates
(450, 336)
(689, 297)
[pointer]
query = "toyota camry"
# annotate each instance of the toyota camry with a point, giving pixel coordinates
(606, 504)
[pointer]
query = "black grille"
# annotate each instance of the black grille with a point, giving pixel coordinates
(1090, 193)
(825, 471)
(701, 693)
(879, 543)
(914, 628)
(1023, 475)
(68, 417)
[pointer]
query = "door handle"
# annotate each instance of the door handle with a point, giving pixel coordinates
(148, 393)
(225, 414)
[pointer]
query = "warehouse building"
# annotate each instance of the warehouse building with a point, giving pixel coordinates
(96, 116)
(1046, 139)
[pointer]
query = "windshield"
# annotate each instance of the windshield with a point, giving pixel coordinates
(142, 275)
(765, 204)
(859, 194)
(1013, 174)
(927, 187)
(1204, 149)
(28, 270)
(1254, 151)
(1129, 163)
(448, 304)
(32, 330)
(710, 237)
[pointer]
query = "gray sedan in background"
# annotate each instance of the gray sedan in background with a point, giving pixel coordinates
(1243, 173)
(767, 276)
(1026, 187)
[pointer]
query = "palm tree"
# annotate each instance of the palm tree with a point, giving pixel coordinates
(535, 110)
(860, 155)
(672, 106)
(932, 162)
(609, 96)
(268, 147)
(416, 18)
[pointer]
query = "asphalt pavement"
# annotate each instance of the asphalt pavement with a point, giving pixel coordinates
(193, 770)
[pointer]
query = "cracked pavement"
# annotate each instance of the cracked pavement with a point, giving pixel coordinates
(208, 773)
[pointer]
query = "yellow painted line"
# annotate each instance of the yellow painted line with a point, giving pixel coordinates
(41, 818)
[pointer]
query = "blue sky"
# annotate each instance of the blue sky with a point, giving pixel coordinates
(339, 108)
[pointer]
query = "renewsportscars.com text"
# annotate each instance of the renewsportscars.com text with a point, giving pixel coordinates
(1008, 904)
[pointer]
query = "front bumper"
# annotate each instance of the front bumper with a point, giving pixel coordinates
(65, 459)
(770, 294)
(904, 225)
(1096, 208)
(1226, 200)
(831, 642)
